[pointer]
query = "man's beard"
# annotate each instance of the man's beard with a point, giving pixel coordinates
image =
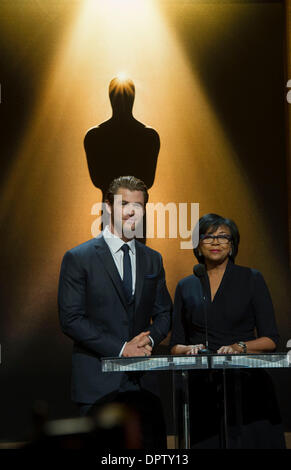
(128, 229)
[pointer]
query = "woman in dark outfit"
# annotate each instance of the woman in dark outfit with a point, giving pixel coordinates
(240, 319)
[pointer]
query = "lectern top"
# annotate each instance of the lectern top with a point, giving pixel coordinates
(199, 361)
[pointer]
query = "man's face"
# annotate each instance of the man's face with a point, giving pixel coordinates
(127, 211)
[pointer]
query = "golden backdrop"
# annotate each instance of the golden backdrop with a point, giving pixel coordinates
(215, 150)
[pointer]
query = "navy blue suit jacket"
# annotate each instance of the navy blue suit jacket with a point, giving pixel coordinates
(94, 314)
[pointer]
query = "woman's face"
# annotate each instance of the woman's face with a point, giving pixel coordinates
(216, 250)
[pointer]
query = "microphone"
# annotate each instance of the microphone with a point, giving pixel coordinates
(199, 271)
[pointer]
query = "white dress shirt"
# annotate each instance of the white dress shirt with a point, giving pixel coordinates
(114, 244)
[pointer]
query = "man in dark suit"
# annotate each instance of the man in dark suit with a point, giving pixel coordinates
(113, 299)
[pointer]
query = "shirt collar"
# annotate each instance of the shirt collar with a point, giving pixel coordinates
(115, 243)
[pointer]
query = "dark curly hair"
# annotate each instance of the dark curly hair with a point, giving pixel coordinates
(209, 223)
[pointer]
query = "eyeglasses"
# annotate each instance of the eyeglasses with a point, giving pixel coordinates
(221, 239)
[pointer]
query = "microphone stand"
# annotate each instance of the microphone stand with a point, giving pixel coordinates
(206, 350)
(200, 271)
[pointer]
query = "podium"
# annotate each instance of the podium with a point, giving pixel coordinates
(183, 364)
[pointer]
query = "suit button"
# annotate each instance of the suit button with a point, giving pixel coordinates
(125, 322)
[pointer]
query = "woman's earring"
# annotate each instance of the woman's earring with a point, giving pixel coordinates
(230, 253)
(199, 253)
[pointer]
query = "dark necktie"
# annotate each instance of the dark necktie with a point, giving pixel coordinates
(127, 273)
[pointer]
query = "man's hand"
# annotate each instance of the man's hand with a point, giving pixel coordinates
(138, 346)
(142, 339)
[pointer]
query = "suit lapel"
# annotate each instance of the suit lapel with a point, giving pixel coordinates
(140, 272)
(107, 260)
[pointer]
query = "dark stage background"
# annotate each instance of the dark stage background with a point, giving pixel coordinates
(210, 78)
